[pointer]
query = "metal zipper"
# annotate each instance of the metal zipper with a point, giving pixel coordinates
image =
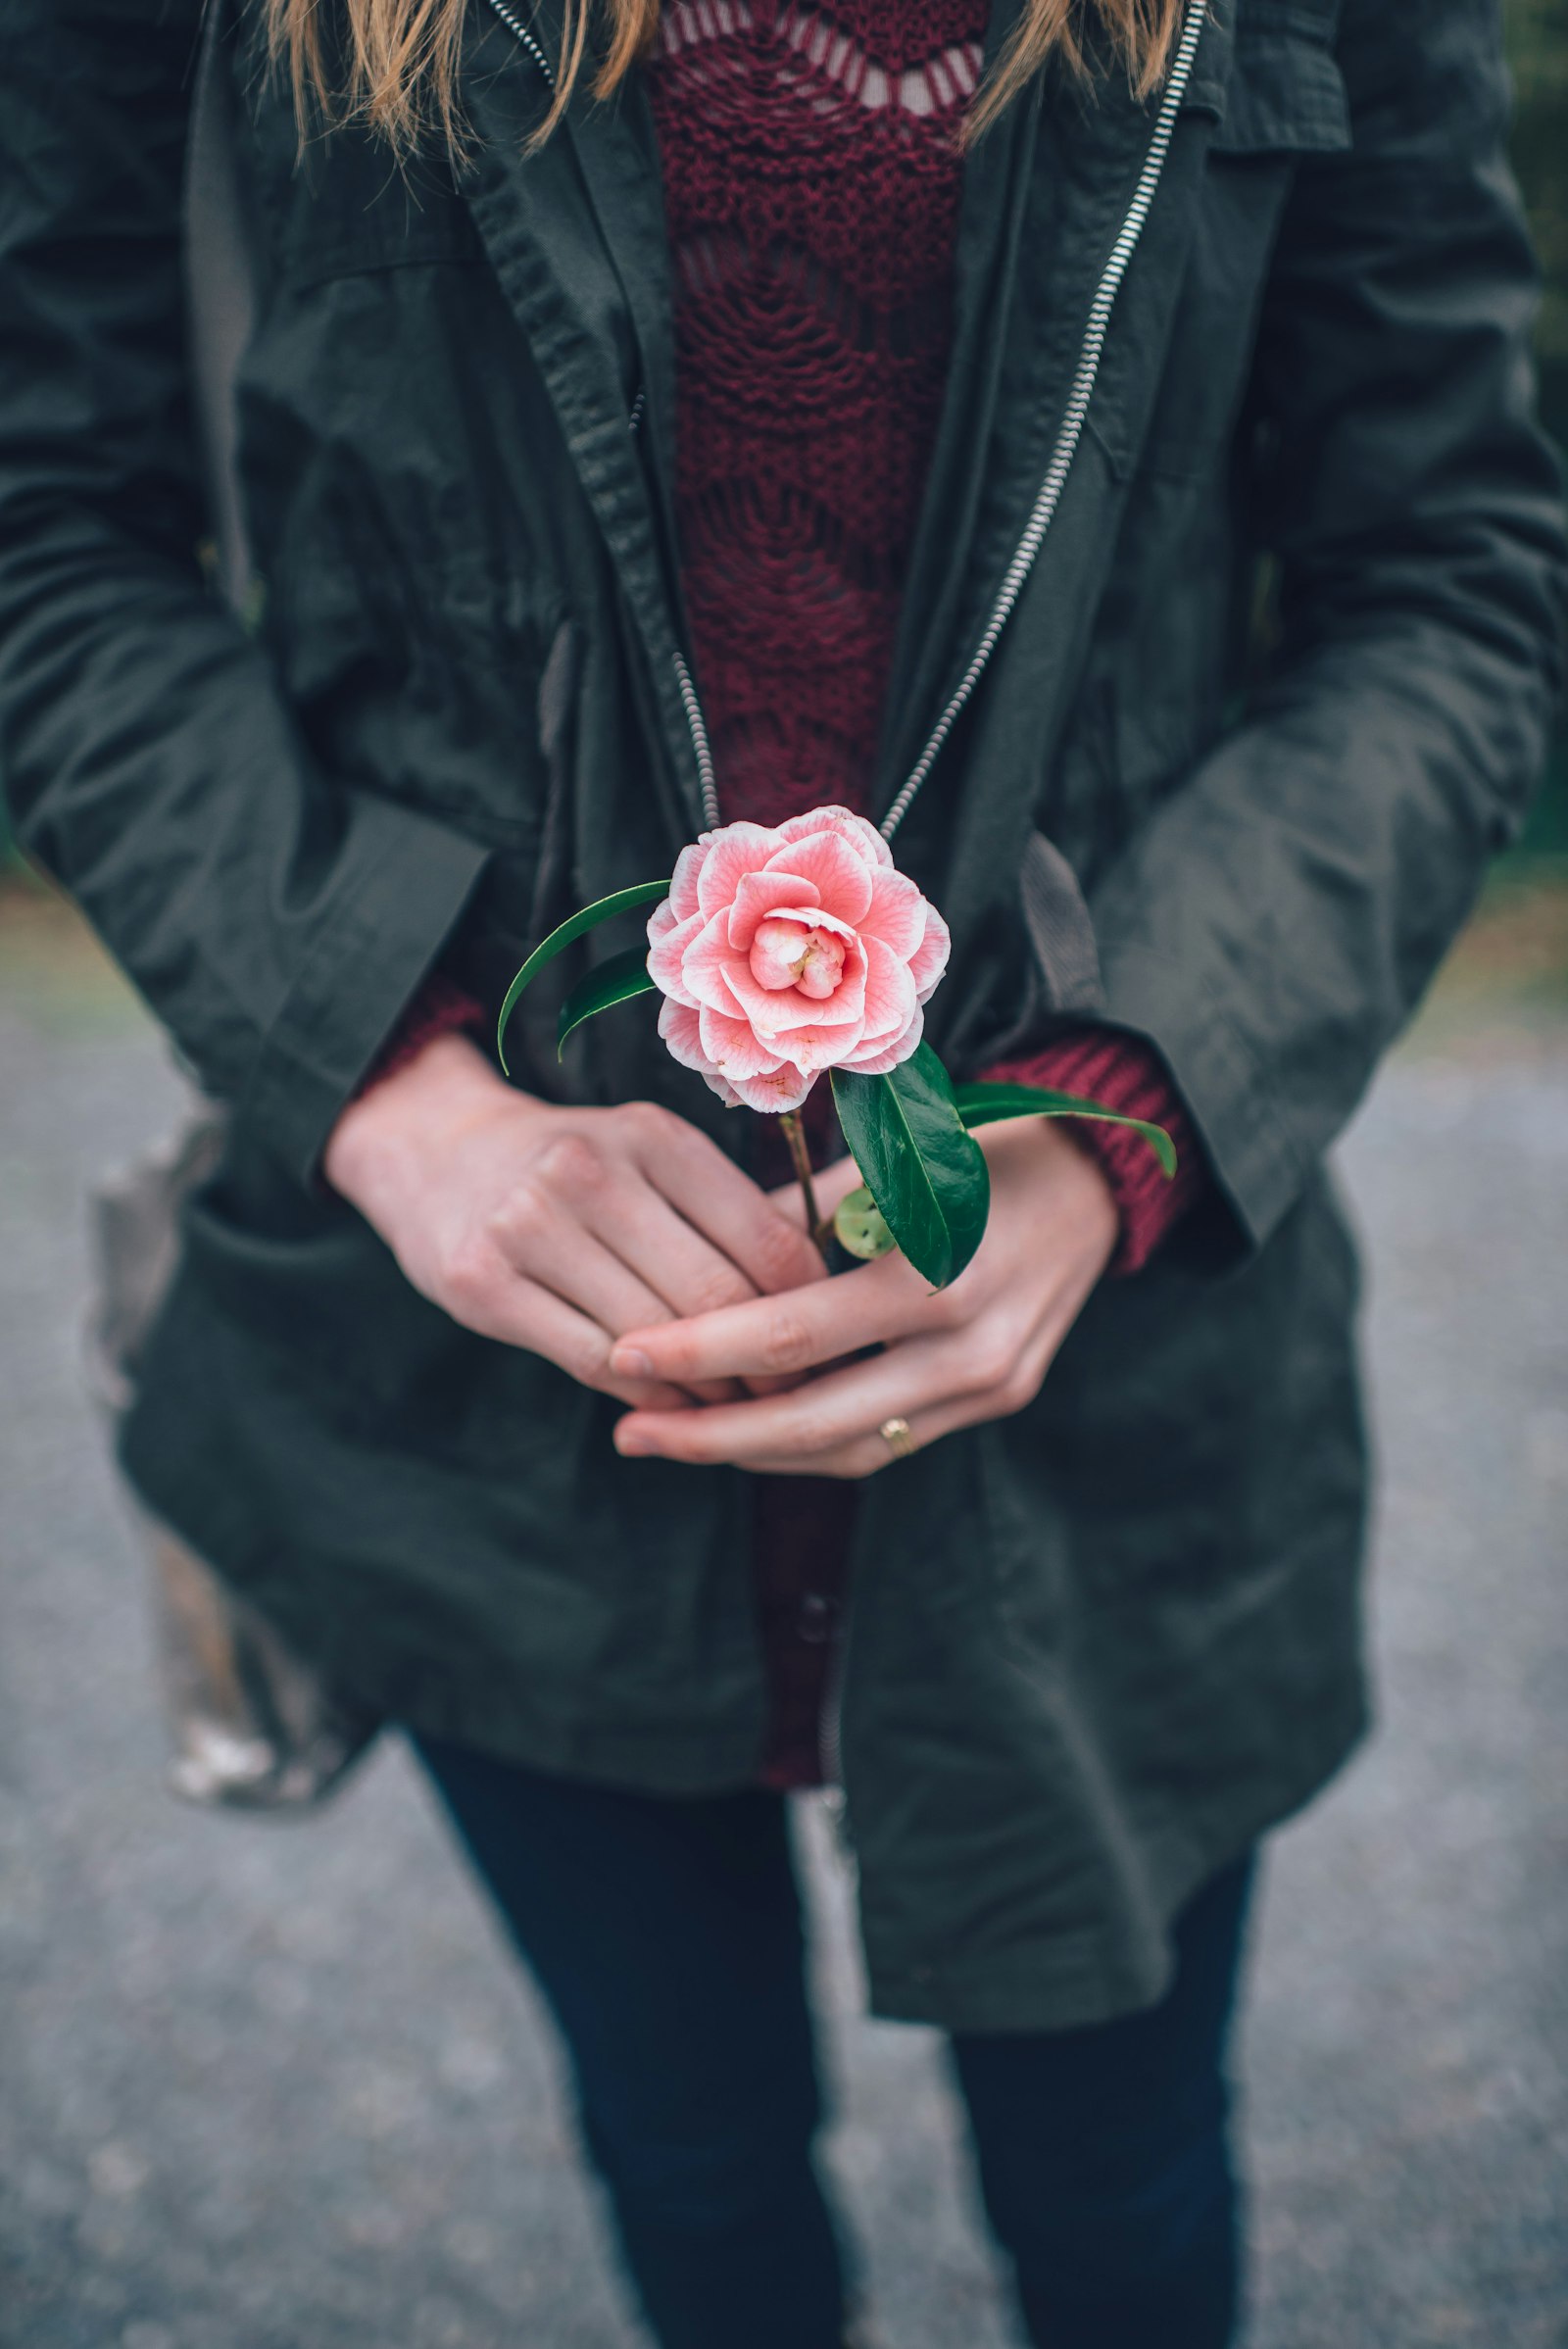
(1068, 435)
(696, 727)
(1072, 424)
(519, 31)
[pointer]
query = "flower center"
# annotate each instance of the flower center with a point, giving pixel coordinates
(787, 953)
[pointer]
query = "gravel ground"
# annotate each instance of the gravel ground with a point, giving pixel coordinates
(267, 2087)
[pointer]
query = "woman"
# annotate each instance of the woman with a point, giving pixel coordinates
(606, 376)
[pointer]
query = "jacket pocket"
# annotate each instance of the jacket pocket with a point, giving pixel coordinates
(341, 205)
(414, 669)
(1285, 95)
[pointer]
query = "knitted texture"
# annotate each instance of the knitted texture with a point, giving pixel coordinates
(812, 182)
(1105, 1066)
(440, 1008)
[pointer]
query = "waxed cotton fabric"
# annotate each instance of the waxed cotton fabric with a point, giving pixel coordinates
(1095, 1648)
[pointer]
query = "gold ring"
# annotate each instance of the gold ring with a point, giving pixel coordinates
(894, 1433)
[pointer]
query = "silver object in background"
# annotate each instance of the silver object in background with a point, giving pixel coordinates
(254, 1728)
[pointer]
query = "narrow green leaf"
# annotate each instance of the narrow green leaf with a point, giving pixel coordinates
(984, 1104)
(923, 1170)
(588, 917)
(615, 980)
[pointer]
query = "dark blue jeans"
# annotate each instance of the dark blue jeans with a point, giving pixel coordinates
(666, 1937)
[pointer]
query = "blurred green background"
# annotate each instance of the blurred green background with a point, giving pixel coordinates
(1537, 51)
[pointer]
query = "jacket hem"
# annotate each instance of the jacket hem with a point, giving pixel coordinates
(499, 1722)
(1072, 1981)
(657, 1762)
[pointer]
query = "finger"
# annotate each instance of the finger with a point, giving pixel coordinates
(828, 1413)
(713, 1193)
(562, 1256)
(671, 1258)
(869, 1455)
(520, 1313)
(798, 1330)
(679, 1264)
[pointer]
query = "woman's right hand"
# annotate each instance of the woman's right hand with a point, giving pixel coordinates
(557, 1229)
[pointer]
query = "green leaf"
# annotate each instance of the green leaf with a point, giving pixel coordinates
(924, 1172)
(646, 893)
(615, 980)
(984, 1104)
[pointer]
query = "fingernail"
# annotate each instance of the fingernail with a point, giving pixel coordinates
(630, 1444)
(630, 1363)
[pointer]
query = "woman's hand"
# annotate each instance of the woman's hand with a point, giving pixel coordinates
(976, 1350)
(555, 1228)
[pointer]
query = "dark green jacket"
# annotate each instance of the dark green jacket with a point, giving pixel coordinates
(1097, 1648)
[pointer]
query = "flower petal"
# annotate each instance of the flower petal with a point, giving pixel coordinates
(891, 1001)
(771, 1011)
(734, 1047)
(683, 889)
(733, 851)
(666, 951)
(818, 1049)
(678, 1027)
(840, 876)
(789, 953)
(930, 957)
(874, 1062)
(759, 895)
(864, 837)
(786, 1089)
(897, 913)
(710, 962)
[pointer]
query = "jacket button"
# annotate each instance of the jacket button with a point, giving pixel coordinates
(814, 1622)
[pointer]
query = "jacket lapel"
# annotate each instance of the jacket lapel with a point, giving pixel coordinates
(1046, 195)
(575, 235)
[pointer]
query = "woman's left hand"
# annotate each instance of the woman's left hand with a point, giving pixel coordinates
(944, 1359)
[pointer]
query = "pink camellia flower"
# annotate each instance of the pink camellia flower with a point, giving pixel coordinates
(785, 951)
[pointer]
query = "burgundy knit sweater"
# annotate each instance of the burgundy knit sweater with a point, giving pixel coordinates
(811, 186)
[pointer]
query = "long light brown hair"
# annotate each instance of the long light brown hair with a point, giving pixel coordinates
(395, 62)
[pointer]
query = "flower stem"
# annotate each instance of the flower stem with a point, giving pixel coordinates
(794, 1133)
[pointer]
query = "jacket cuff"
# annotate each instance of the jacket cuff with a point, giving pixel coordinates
(440, 1008)
(1257, 1163)
(1121, 1073)
(356, 979)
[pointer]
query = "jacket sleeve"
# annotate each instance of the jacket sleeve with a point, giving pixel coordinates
(275, 920)
(1274, 925)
